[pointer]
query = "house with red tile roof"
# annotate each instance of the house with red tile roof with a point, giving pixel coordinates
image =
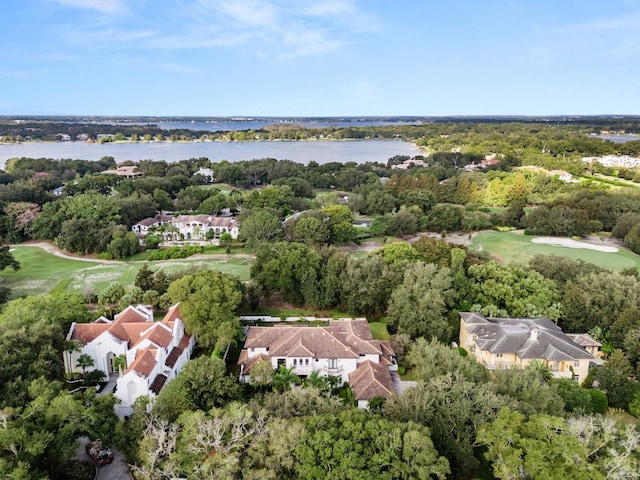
(189, 227)
(154, 351)
(344, 348)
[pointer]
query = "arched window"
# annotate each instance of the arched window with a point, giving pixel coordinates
(295, 362)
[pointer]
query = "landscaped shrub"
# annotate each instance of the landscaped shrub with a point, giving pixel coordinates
(599, 400)
(175, 252)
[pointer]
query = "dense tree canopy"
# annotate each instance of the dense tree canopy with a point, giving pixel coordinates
(208, 303)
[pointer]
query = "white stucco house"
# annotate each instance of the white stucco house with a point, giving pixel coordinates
(154, 351)
(345, 348)
(196, 227)
(189, 227)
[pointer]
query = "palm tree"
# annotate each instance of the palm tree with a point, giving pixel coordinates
(318, 381)
(284, 378)
(334, 381)
(543, 371)
(84, 361)
(119, 363)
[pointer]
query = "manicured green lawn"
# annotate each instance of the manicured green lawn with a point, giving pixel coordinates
(379, 331)
(42, 272)
(511, 247)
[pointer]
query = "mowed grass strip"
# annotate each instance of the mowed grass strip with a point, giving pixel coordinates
(41, 272)
(508, 247)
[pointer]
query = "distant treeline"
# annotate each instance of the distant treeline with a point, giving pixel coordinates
(570, 130)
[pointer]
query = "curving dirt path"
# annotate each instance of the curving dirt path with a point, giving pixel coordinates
(53, 250)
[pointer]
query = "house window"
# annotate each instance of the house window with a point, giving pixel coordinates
(333, 363)
(499, 355)
(576, 364)
(306, 361)
(282, 361)
(556, 366)
(295, 362)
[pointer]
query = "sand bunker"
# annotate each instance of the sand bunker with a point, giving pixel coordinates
(567, 242)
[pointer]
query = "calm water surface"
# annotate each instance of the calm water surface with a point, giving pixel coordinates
(358, 151)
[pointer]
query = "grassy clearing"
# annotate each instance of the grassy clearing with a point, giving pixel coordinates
(509, 247)
(223, 187)
(42, 272)
(379, 331)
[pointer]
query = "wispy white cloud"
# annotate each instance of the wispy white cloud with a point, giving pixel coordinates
(274, 29)
(605, 38)
(105, 6)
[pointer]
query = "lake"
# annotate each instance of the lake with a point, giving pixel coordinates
(231, 124)
(359, 151)
(619, 138)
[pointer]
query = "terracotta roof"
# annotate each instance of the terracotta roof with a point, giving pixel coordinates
(172, 314)
(147, 222)
(144, 363)
(87, 332)
(341, 339)
(184, 341)
(173, 356)
(158, 383)
(158, 334)
(371, 380)
(208, 220)
(247, 363)
(130, 315)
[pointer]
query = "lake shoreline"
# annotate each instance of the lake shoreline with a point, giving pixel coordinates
(301, 151)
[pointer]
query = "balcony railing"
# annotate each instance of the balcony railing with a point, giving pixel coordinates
(332, 370)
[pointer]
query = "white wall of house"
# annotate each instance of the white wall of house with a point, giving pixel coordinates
(102, 350)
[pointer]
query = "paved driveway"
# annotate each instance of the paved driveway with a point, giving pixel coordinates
(116, 470)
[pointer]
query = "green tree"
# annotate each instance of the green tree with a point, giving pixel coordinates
(262, 373)
(284, 378)
(368, 283)
(501, 290)
(152, 241)
(290, 269)
(340, 221)
(311, 231)
(398, 252)
(614, 378)
(202, 384)
(418, 306)
(7, 259)
(123, 243)
(260, 227)
(538, 448)
(144, 278)
(84, 361)
(208, 303)
(225, 241)
(356, 445)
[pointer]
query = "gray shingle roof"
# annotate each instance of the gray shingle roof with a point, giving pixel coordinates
(529, 338)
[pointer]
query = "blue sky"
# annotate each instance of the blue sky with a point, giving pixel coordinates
(319, 58)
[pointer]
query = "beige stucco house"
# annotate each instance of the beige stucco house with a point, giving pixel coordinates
(516, 342)
(345, 348)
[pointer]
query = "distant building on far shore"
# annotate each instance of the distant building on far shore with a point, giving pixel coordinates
(626, 161)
